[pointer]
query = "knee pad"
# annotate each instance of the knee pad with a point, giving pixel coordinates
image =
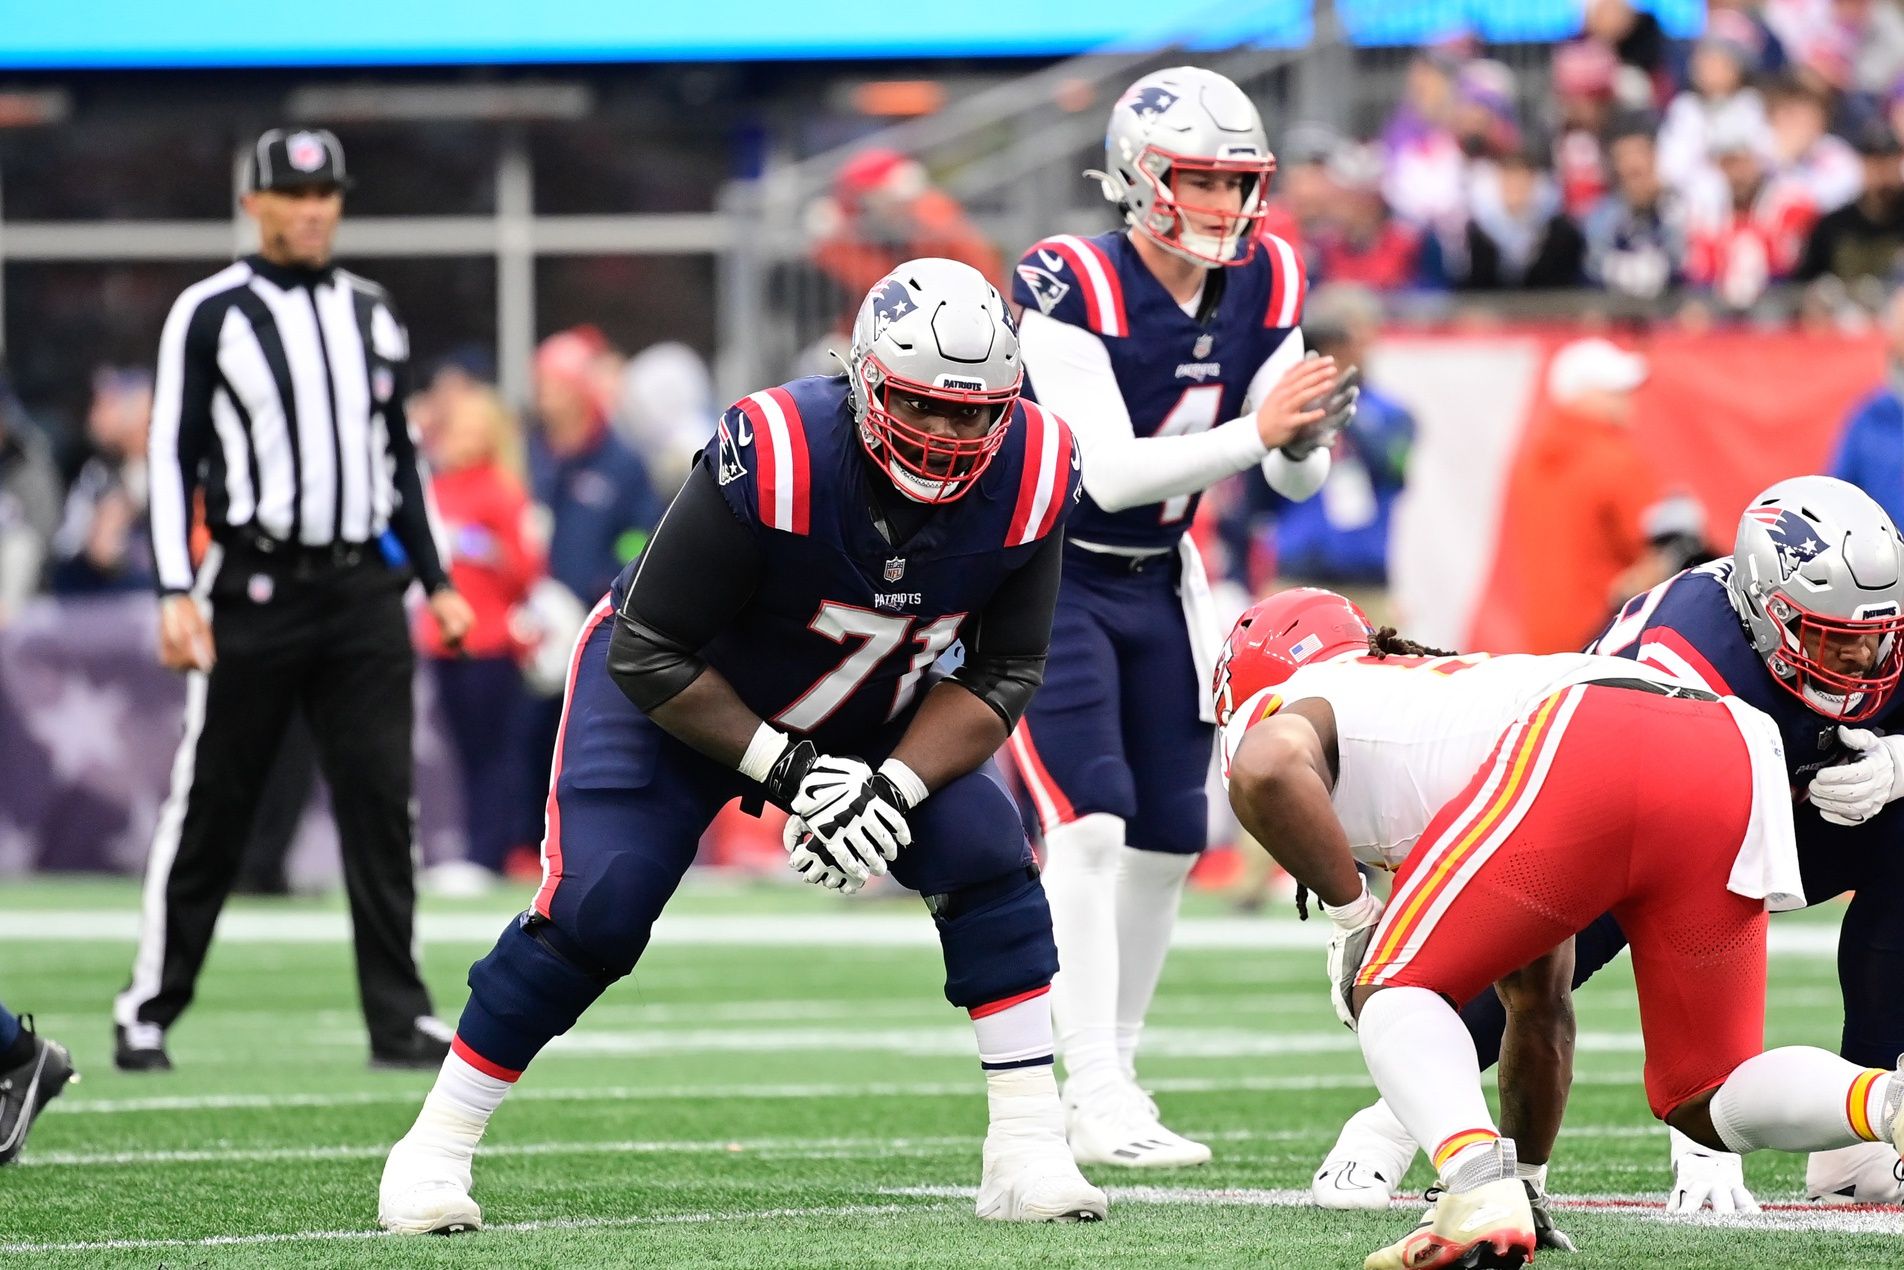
(527, 991)
(996, 937)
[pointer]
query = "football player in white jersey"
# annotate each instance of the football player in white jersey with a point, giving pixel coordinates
(1518, 798)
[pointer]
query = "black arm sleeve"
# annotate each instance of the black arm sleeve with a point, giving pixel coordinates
(410, 521)
(699, 569)
(1006, 643)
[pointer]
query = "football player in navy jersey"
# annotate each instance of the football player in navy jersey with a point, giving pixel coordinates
(1172, 346)
(1802, 622)
(775, 642)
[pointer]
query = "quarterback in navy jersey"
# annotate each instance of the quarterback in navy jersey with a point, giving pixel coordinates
(1803, 623)
(776, 643)
(1173, 347)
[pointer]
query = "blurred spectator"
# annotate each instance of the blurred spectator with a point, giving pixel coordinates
(1718, 100)
(1637, 40)
(1578, 496)
(1636, 236)
(103, 543)
(1362, 242)
(29, 503)
(1583, 97)
(1850, 45)
(1420, 158)
(1865, 238)
(1743, 22)
(1516, 235)
(1870, 451)
(1301, 193)
(1340, 537)
(883, 210)
(594, 489)
(1745, 230)
(665, 410)
(1823, 165)
(493, 562)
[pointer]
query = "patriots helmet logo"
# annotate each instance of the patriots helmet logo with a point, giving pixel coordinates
(1792, 535)
(1149, 101)
(890, 303)
(729, 448)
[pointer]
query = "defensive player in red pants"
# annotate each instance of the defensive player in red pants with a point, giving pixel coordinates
(1523, 797)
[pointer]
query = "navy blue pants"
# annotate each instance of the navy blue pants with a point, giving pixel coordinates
(480, 698)
(625, 816)
(1867, 859)
(1114, 728)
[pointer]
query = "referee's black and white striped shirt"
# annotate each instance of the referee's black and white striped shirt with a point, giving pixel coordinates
(280, 393)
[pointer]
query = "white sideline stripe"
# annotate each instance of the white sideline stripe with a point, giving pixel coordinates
(1807, 1218)
(76, 1104)
(558, 1223)
(823, 929)
(777, 1148)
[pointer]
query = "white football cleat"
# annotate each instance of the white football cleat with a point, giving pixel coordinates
(1868, 1173)
(1032, 1177)
(1491, 1218)
(1117, 1123)
(425, 1191)
(1365, 1167)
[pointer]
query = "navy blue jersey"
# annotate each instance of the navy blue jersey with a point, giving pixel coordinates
(1176, 375)
(844, 626)
(1687, 627)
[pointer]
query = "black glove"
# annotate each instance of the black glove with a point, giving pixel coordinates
(783, 780)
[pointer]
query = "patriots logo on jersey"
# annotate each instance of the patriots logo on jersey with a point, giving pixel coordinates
(732, 469)
(1797, 542)
(1150, 101)
(1046, 289)
(890, 303)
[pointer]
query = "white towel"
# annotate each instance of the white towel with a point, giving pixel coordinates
(1199, 616)
(1766, 867)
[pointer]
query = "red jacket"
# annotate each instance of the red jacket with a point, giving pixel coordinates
(493, 561)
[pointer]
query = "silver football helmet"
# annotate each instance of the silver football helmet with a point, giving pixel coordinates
(935, 334)
(1173, 123)
(1818, 577)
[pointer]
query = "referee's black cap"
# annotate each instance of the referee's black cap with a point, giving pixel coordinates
(296, 159)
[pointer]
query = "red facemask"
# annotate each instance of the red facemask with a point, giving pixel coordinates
(1238, 226)
(927, 467)
(1860, 696)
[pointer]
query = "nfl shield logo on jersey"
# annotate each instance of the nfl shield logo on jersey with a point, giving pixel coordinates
(1201, 349)
(895, 568)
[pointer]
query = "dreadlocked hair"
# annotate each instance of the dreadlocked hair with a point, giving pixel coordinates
(1387, 642)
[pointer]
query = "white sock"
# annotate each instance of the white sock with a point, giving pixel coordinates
(1424, 1064)
(1149, 893)
(458, 1107)
(1080, 881)
(1801, 1098)
(1015, 1032)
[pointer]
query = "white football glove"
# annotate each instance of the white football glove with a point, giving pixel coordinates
(1704, 1178)
(808, 856)
(1852, 792)
(863, 824)
(1355, 924)
(1340, 405)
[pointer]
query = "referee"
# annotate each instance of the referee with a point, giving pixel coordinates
(279, 402)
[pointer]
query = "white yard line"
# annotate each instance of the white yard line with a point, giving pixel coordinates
(561, 1223)
(1807, 1218)
(821, 929)
(766, 1147)
(77, 1104)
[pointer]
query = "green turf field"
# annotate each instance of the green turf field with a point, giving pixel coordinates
(748, 1099)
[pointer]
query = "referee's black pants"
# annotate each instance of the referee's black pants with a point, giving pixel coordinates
(330, 637)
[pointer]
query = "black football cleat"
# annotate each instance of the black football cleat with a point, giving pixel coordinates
(27, 1088)
(422, 1050)
(140, 1048)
